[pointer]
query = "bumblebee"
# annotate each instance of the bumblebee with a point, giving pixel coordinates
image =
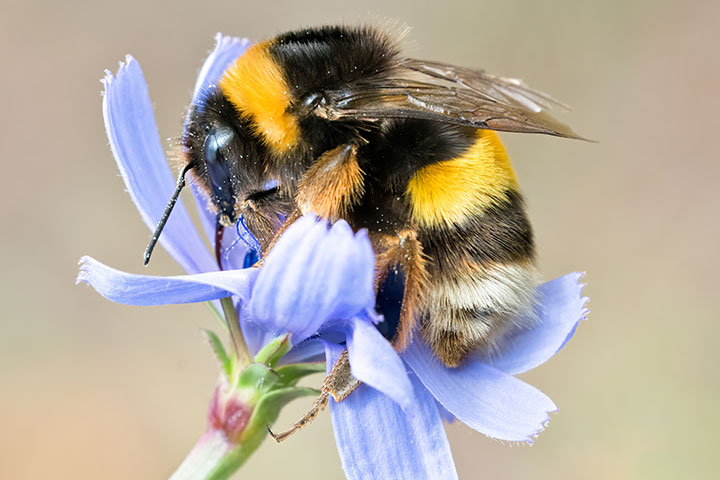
(336, 121)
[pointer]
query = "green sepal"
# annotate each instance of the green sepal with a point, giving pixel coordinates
(255, 381)
(271, 353)
(220, 352)
(292, 373)
(216, 455)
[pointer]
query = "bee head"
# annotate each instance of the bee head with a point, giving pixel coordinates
(225, 159)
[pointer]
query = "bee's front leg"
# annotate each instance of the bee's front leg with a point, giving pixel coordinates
(332, 185)
(329, 189)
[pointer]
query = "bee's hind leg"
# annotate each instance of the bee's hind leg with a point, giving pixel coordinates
(339, 384)
(402, 251)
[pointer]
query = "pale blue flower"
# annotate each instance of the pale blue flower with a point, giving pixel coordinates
(317, 285)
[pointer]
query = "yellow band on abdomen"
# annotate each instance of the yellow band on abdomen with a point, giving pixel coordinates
(451, 191)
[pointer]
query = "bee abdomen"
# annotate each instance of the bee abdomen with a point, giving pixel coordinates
(465, 310)
(455, 191)
(482, 280)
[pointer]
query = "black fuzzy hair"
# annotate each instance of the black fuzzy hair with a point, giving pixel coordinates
(333, 56)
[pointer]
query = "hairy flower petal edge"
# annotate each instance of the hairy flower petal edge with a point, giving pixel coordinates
(135, 143)
(485, 398)
(561, 307)
(132, 289)
(314, 276)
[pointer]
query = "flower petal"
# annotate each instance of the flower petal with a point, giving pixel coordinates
(314, 275)
(135, 143)
(226, 50)
(374, 362)
(309, 351)
(376, 439)
(485, 398)
(207, 218)
(444, 414)
(233, 250)
(255, 335)
(561, 307)
(132, 289)
(278, 295)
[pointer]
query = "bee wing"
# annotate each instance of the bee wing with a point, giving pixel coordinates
(444, 93)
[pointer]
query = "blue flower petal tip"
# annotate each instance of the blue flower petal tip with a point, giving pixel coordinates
(123, 66)
(143, 290)
(82, 270)
(375, 362)
(577, 301)
(226, 50)
(315, 277)
(138, 151)
(561, 307)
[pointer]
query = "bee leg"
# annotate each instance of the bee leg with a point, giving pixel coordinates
(329, 189)
(317, 407)
(339, 383)
(405, 251)
(292, 218)
(265, 212)
(332, 185)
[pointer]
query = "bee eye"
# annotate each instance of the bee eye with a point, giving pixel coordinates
(215, 150)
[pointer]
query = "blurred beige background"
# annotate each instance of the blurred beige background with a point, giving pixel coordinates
(91, 389)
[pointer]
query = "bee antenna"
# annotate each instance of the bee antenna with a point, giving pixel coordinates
(166, 214)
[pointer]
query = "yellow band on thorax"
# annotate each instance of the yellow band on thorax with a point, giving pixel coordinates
(257, 88)
(451, 191)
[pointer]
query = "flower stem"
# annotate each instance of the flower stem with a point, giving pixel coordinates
(239, 346)
(214, 457)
